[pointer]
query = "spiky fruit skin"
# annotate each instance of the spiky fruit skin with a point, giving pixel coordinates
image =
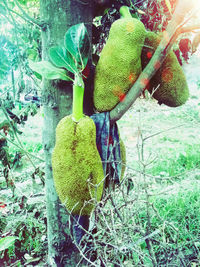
(119, 64)
(173, 89)
(77, 166)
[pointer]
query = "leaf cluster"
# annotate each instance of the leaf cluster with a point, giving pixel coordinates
(71, 57)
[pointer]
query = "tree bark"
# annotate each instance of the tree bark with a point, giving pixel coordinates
(58, 16)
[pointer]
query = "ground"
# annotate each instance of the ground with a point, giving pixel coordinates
(161, 142)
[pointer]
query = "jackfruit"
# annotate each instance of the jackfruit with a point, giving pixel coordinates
(77, 167)
(119, 64)
(170, 81)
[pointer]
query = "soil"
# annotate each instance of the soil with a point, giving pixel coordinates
(167, 130)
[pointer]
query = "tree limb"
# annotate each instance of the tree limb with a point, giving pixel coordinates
(187, 29)
(141, 83)
(21, 16)
(174, 28)
(26, 16)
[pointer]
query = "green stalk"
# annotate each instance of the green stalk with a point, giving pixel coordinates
(125, 12)
(78, 93)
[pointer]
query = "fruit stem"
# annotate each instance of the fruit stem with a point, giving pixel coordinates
(125, 12)
(78, 93)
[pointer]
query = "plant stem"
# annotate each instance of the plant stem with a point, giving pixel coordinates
(125, 12)
(16, 136)
(78, 93)
(26, 16)
(21, 148)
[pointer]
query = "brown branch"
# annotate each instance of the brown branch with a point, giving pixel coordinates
(160, 132)
(141, 83)
(187, 29)
(174, 28)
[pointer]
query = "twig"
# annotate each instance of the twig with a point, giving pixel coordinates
(14, 12)
(82, 2)
(141, 240)
(158, 177)
(5, 113)
(15, 32)
(115, 208)
(162, 220)
(21, 148)
(148, 205)
(82, 254)
(27, 17)
(166, 130)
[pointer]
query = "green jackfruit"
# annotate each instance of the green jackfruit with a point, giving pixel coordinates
(77, 167)
(170, 79)
(119, 64)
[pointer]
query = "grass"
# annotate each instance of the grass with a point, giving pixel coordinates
(180, 206)
(169, 213)
(182, 210)
(188, 158)
(32, 147)
(27, 229)
(165, 196)
(171, 187)
(174, 202)
(162, 200)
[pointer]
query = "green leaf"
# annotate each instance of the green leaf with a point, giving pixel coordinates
(37, 75)
(6, 242)
(49, 71)
(23, 2)
(78, 44)
(32, 54)
(61, 58)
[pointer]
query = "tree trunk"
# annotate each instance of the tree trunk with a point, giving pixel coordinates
(58, 16)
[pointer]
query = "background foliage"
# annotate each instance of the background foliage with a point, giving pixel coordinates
(153, 217)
